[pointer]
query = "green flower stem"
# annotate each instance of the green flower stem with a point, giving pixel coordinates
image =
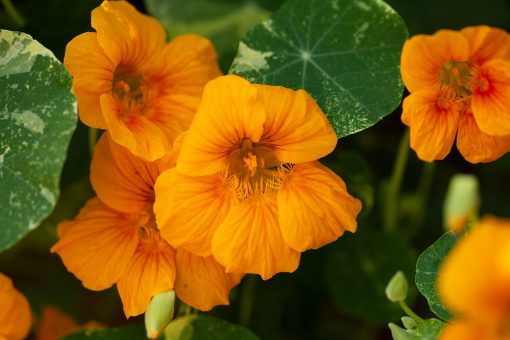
(391, 208)
(409, 311)
(423, 191)
(92, 140)
(246, 301)
(13, 13)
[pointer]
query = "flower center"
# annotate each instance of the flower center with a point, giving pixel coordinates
(133, 92)
(455, 77)
(254, 169)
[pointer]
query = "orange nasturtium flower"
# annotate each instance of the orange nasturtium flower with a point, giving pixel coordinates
(15, 315)
(460, 86)
(247, 187)
(130, 81)
(115, 240)
(474, 283)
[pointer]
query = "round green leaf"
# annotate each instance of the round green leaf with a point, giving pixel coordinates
(345, 53)
(122, 333)
(37, 118)
(358, 269)
(427, 268)
(194, 327)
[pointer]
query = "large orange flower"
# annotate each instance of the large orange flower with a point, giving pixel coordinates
(115, 240)
(460, 85)
(15, 315)
(128, 80)
(473, 282)
(247, 187)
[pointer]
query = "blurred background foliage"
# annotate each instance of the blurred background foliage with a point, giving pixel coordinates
(338, 291)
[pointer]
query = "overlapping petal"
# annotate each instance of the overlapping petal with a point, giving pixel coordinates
(314, 207)
(97, 246)
(150, 271)
(487, 43)
(120, 179)
(423, 56)
(15, 315)
(190, 209)
(127, 36)
(250, 240)
(433, 121)
(491, 98)
(139, 134)
(477, 146)
(228, 114)
(202, 282)
(295, 126)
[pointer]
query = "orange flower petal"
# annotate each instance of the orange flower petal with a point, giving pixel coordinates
(137, 133)
(97, 245)
(126, 35)
(464, 330)
(188, 62)
(15, 315)
(173, 113)
(314, 207)
(473, 280)
(423, 56)
(229, 113)
(190, 209)
(295, 126)
(477, 146)
(487, 43)
(120, 179)
(250, 240)
(92, 73)
(201, 282)
(89, 108)
(433, 127)
(183, 67)
(491, 98)
(150, 271)
(55, 324)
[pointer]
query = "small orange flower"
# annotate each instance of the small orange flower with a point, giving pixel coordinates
(460, 85)
(473, 282)
(128, 80)
(15, 315)
(115, 240)
(247, 187)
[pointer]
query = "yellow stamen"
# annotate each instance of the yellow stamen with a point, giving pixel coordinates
(456, 78)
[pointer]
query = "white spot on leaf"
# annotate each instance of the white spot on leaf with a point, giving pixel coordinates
(248, 59)
(29, 120)
(48, 195)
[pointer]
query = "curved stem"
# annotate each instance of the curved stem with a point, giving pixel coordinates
(391, 208)
(13, 13)
(92, 140)
(409, 311)
(423, 191)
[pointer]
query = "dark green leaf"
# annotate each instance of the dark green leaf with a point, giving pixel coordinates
(359, 268)
(123, 333)
(427, 268)
(194, 327)
(37, 118)
(345, 53)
